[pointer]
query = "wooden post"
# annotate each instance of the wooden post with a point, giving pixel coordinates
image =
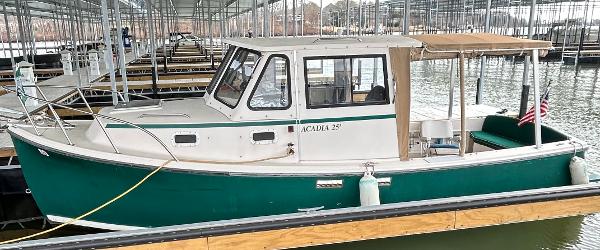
(400, 62)
(463, 121)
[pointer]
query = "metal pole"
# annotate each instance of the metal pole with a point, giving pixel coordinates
(463, 119)
(302, 17)
(320, 18)
(121, 51)
(75, 51)
(266, 18)
(165, 36)
(285, 18)
(108, 54)
(8, 36)
(536, 98)
(254, 17)
(21, 28)
(377, 14)
(210, 29)
(348, 17)
(152, 48)
(526, 84)
(451, 92)
(480, 83)
(406, 26)
(294, 18)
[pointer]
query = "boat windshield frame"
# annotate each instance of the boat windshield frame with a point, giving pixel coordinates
(219, 72)
(242, 53)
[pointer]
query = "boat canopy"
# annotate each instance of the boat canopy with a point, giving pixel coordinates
(447, 46)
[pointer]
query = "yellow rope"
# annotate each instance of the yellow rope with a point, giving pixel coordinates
(289, 152)
(91, 211)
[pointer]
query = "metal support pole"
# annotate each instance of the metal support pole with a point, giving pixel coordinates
(165, 36)
(108, 53)
(152, 48)
(463, 119)
(121, 51)
(254, 17)
(295, 25)
(536, 98)
(285, 18)
(21, 28)
(75, 51)
(451, 92)
(406, 26)
(348, 17)
(210, 28)
(320, 18)
(480, 83)
(377, 14)
(526, 84)
(266, 18)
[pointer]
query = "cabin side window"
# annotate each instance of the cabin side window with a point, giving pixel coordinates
(344, 81)
(272, 90)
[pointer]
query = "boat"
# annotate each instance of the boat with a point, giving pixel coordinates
(288, 125)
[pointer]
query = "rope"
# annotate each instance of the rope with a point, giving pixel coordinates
(91, 211)
(288, 153)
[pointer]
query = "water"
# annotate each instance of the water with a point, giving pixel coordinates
(574, 109)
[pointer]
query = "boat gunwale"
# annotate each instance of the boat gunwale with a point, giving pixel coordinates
(564, 147)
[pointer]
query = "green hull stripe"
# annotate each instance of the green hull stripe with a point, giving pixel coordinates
(252, 124)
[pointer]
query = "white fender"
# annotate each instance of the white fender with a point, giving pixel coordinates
(578, 169)
(369, 190)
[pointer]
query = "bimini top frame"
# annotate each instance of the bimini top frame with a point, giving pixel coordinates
(461, 46)
(448, 46)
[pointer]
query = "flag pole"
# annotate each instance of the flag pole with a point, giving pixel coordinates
(536, 98)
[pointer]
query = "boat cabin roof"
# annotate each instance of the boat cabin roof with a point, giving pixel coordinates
(427, 46)
(297, 43)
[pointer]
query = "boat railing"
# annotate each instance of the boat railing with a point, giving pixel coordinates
(52, 104)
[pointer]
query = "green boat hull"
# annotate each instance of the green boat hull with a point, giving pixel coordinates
(68, 186)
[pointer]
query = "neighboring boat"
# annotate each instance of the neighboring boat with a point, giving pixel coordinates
(288, 125)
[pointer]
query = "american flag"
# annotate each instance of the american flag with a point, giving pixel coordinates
(530, 115)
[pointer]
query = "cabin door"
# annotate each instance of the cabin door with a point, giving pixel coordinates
(345, 112)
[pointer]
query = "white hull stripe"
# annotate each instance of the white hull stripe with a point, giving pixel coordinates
(92, 224)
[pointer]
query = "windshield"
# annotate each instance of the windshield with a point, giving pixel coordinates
(236, 77)
(220, 70)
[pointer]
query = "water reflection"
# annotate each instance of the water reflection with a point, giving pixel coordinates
(549, 234)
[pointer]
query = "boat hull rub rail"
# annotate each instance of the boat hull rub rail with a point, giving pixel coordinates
(264, 223)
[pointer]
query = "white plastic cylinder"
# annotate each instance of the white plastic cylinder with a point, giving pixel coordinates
(578, 168)
(67, 62)
(369, 190)
(94, 63)
(25, 82)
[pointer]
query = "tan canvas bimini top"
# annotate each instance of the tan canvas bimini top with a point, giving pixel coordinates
(440, 46)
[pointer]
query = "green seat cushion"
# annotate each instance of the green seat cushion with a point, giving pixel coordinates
(506, 127)
(494, 141)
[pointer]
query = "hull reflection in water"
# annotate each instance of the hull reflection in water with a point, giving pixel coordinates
(560, 233)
